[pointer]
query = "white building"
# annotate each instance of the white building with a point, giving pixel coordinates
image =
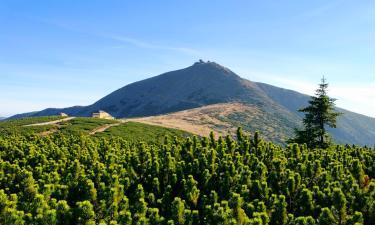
(102, 115)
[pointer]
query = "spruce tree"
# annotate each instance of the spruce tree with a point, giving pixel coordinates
(319, 114)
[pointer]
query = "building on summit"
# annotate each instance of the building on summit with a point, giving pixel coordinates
(102, 115)
(63, 114)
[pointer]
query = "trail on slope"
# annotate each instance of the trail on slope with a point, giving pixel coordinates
(56, 122)
(50, 122)
(48, 132)
(104, 128)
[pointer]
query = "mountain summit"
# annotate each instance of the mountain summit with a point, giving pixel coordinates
(200, 84)
(208, 83)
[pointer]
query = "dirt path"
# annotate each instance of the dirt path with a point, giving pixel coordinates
(48, 132)
(50, 122)
(104, 128)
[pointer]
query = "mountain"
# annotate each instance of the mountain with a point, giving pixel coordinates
(195, 86)
(260, 106)
(2, 118)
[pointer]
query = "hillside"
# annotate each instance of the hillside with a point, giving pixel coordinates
(208, 83)
(129, 130)
(19, 126)
(224, 118)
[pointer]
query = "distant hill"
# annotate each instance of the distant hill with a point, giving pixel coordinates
(2, 118)
(208, 83)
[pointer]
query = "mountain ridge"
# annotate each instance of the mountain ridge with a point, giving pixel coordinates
(207, 83)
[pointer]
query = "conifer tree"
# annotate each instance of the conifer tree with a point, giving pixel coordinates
(279, 213)
(63, 212)
(319, 114)
(355, 219)
(178, 211)
(326, 217)
(305, 202)
(339, 205)
(85, 213)
(304, 220)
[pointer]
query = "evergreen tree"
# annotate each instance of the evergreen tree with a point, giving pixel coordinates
(304, 220)
(178, 211)
(85, 213)
(305, 202)
(339, 205)
(355, 219)
(326, 217)
(63, 212)
(279, 215)
(318, 114)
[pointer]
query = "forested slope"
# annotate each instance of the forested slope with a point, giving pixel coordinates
(73, 179)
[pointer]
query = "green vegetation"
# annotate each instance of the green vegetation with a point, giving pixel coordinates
(319, 114)
(83, 125)
(136, 132)
(29, 120)
(131, 131)
(78, 179)
(275, 131)
(17, 126)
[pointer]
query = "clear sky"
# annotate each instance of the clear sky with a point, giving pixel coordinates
(64, 53)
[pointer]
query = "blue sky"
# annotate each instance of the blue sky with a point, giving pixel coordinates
(64, 53)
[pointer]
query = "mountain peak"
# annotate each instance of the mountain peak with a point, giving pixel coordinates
(202, 62)
(207, 63)
(212, 66)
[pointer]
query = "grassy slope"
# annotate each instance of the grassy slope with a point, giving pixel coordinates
(130, 130)
(83, 125)
(28, 120)
(142, 132)
(224, 119)
(16, 125)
